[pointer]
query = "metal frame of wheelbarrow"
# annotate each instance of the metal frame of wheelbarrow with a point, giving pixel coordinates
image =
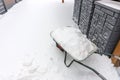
(68, 65)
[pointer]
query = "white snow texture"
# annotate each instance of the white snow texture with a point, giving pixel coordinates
(27, 51)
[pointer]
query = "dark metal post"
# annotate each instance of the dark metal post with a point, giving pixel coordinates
(4, 5)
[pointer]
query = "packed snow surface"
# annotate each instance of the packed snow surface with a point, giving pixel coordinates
(27, 51)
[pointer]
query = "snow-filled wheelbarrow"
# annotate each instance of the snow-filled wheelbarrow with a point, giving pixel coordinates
(72, 42)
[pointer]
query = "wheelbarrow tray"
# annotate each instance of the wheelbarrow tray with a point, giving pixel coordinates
(75, 43)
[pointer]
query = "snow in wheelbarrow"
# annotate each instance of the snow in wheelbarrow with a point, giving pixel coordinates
(74, 42)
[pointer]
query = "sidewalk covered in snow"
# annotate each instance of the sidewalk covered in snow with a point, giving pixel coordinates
(27, 51)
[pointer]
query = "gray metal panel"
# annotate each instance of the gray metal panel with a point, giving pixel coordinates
(86, 15)
(2, 7)
(77, 10)
(105, 28)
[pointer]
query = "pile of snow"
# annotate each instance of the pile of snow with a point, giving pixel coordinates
(74, 42)
(103, 65)
(34, 69)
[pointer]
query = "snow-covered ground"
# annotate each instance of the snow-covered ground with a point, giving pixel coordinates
(27, 51)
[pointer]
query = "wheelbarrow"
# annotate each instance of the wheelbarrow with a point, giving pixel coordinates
(72, 42)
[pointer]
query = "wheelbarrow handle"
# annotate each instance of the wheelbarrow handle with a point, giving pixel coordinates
(102, 77)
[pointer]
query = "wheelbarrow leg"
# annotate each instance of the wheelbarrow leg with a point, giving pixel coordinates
(96, 72)
(67, 65)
